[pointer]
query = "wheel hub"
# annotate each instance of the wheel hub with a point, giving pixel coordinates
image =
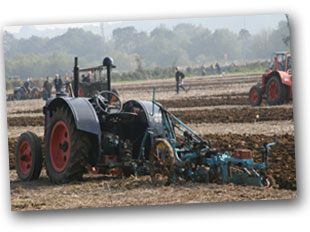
(254, 96)
(64, 146)
(60, 146)
(273, 91)
(25, 157)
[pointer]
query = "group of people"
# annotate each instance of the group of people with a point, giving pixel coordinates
(215, 68)
(59, 84)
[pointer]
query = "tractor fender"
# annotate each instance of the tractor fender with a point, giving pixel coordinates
(85, 119)
(154, 121)
(284, 77)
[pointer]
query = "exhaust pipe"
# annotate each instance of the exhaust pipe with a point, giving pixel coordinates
(76, 77)
(108, 62)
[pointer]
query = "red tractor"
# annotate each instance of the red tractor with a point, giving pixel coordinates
(276, 83)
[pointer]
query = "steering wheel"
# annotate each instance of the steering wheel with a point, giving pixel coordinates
(108, 102)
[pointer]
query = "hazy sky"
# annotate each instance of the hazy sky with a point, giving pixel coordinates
(253, 23)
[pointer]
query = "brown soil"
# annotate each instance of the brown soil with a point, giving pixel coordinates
(211, 101)
(28, 111)
(282, 155)
(223, 115)
(26, 121)
(194, 83)
(257, 128)
(229, 115)
(99, 191)
(205, 101)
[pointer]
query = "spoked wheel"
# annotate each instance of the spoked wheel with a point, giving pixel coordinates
(162, 162)
(255, 96)
(268, 181)
(28, 156)
(276, 92)
(66, 148)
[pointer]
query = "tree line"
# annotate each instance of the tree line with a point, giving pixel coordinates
(132, 50)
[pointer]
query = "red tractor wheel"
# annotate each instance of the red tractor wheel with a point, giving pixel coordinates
(255, 95)
(66, 148)
(276, 92)
(28, 156)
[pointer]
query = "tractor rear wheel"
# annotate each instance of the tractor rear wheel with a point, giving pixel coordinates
(162, 162)
(66, 148)
(255, 95)
(28, 156)
(276, 92)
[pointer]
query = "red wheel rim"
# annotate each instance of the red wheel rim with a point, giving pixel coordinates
(254, 96)
(273, 91)
(25, 157)
(60, 146)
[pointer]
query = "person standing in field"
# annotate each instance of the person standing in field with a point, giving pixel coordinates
(47, 87)
(179, 77)
(218, 68)
(67, 83)
(212, 69)
(57, 83)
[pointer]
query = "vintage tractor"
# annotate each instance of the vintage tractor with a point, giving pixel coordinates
(20, 93)
(80, 132)
(101, 133)
(276, 83)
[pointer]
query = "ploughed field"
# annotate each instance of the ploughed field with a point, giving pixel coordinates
(215, 107)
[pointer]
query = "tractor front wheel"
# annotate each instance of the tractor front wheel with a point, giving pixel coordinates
(276, 92)
(162, 162)
(28, 156)
(66, 149)
(255, 95)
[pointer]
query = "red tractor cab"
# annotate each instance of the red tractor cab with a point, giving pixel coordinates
(276, 84)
